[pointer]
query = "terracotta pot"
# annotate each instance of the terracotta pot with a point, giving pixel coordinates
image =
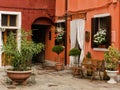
(19, 76)
(75, 71)
(59, 66)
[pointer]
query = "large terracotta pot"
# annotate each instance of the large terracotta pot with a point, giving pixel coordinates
(19, 76)
(59, 66)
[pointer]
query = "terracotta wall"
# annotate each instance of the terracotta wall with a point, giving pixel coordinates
(91, 8)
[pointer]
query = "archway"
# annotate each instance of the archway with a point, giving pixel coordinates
(40, 28)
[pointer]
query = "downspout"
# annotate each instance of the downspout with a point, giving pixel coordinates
(119, 37)
(66, 8)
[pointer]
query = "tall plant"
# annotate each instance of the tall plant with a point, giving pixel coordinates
(58, 49)
(20, 58)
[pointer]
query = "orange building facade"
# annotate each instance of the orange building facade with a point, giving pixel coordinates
(79, 19)
(102, 14)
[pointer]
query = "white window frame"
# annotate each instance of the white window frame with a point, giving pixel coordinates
(17, 27)
(18, 21)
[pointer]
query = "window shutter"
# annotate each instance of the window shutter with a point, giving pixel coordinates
(94, 29)
(108, 27)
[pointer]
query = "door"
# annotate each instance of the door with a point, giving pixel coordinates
(38, 36)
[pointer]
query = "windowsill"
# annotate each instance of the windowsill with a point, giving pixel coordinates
(100, 49)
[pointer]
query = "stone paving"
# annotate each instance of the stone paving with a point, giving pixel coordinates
(49, 79)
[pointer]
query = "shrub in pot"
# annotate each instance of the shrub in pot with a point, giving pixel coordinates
(20, 58)
(75, 52)
(88, 58)
(112, 57)
(58, 49)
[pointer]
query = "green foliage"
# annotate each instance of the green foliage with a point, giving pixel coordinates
(58, 49)
(74, 52)
(112, 57)
(20, 58)
(88, 55)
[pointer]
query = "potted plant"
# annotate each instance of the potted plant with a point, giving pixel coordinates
(58, 49)
(20, 58)
(100, 38)
(75, 52)
(88, 59)
(112, 57)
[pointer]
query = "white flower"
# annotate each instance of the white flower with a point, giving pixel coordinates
(100, 37)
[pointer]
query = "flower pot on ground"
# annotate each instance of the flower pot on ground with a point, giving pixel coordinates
(88, 58)
(58, 49)
(75, 52)
(20, 58)
(112, 57)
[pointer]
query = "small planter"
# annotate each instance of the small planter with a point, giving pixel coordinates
(75, 70)
(59, 66)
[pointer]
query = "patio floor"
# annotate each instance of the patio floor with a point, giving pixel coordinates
(49, 79)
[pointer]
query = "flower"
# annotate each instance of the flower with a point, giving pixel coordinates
(100, 37)
(112, 57)
(59, 34)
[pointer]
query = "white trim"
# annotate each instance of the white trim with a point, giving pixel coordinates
(100, 49)
(59, 21)
(12, 13)
(102, 15)
(18, 27)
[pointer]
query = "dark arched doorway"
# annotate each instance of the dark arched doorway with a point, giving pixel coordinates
(39, 29)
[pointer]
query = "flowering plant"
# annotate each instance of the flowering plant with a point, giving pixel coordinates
(112, 57)
(100, 37)
(59, 34)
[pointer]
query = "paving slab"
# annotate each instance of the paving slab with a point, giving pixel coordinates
(49, 79)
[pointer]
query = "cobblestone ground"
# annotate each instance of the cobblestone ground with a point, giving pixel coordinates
(49, 79)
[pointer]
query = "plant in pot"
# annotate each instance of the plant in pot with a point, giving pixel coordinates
(58, 49)
(88, 60)
(75, 52)
(20, 58)
(112, 57)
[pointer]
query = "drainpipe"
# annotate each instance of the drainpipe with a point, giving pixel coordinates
(66, 8)
(119, 40)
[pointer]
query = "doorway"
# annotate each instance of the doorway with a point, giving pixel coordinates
(39, 36)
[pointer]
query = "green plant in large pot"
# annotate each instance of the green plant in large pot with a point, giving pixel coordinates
(20, 57)
(112, 57)
(58, 49)
(75, 52)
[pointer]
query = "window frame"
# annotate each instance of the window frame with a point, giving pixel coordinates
(94, 29)
(18, 19)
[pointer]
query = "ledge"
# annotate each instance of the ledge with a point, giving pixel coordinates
(100, 49)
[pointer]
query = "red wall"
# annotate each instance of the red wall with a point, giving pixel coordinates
(30, 9)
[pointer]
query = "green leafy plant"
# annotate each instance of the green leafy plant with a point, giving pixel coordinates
(60, 35)
(88, 55)
(58, 49)
(74, 52)
(20, 58)
(112, 57)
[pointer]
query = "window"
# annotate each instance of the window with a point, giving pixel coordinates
(8, 20)
(60, 33)
(99, 26)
